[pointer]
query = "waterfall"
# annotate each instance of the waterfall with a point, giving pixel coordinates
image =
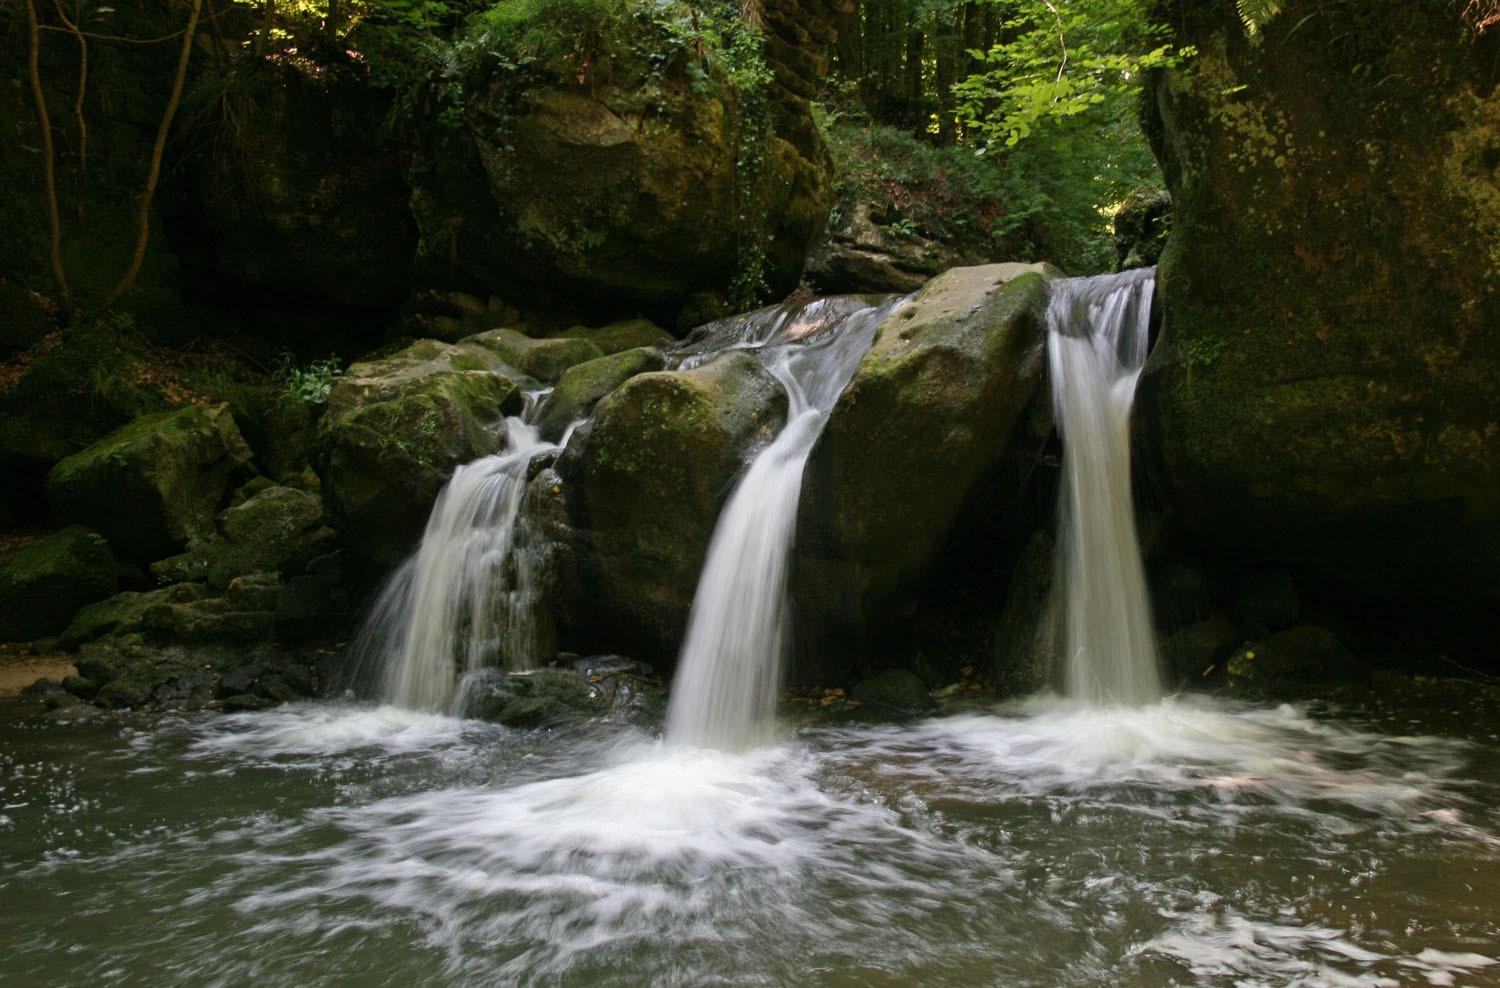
(466, 599)
(727, 674)
(1097, 341)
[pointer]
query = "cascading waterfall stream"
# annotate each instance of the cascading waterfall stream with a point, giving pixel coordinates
(467, 598)
(1098, 334)
(728, 672)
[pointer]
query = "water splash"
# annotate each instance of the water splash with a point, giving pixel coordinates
(1098, 333)
(729, 669)
(467, 599)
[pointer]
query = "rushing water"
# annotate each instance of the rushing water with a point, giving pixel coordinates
(467, 599)
(1184, 843)
(1097, 343)
(728, 672)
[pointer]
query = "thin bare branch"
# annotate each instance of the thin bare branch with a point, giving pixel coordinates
(143, 215)
(49, 171)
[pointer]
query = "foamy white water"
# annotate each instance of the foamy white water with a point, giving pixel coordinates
(724, 693)
(1043, 845)
(1097, 344)
(467, 599)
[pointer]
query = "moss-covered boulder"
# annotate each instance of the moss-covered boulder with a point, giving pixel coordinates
(43, 584)
(625, 334)
(1323, 393)
(153, 484)
(645, 486)
(543, 359)
(582, 385)
(395, 429)
(927, 417)
(279, 529)
(625, 195)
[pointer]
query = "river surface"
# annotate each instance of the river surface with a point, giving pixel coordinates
(1188, 843)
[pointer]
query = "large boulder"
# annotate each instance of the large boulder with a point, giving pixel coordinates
(627, 195)
(929, 414)
(645, 485)
(1323, 393)
(152, 484)
(395, 429)
(43, 584)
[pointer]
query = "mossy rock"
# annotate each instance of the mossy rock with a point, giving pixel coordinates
(46, 582)
(150, 486)
(624, 196)
(645, 491)
(582, 385)
(929, 413)
(395, 429)
(279, 529)
(1322, 394)
(543, 359)
(124, 613)
(626, 334)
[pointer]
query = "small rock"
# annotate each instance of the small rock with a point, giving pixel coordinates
(898, 690)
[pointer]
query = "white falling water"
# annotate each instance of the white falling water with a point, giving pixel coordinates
(1097, 340)
(466, 599)
(727, 675)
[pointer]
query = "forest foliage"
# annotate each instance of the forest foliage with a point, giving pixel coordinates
(1013, 120)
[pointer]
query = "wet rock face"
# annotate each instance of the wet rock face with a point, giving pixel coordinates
(645, 483)
(394, 431)
(929, 414)
(1323, 391)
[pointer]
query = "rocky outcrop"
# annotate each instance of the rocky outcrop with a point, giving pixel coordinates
(154, 483)
(299, 201)
(1322, 395)
(645, 486)
(623, 196)
(865, 249)
(395, 429)
(928, 416)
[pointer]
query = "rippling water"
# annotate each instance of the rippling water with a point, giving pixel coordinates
(1186, 843)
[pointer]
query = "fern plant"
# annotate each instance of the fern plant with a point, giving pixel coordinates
(1257, 13)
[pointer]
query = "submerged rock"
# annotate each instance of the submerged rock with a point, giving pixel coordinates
(556, 697)
(151, 485)
(45, 583)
